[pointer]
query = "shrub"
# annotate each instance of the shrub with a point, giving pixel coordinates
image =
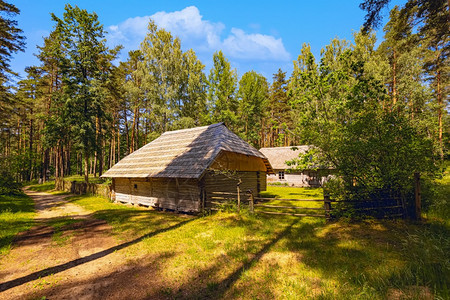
(8, 186)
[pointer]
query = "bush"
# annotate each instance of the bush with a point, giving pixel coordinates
(8, 186)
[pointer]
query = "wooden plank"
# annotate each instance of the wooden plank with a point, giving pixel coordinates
(220, 203)
(221, 198)
(223, 193)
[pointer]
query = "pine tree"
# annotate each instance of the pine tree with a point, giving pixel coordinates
(279, 121)
(253, 95)
(12, 41)
(83, 53)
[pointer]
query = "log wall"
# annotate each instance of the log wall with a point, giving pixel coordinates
(168, 193)
(218, 181)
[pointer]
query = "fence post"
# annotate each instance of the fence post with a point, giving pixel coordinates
(327, 204)
(252, 200)
(238, 199)
(417, 197)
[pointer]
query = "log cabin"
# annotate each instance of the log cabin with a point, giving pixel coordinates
(181, 169)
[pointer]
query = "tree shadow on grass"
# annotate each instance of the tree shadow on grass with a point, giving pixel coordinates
(201, 283)
(137, 222)
(370, 259)
(16, 203)
(65, 266)
(132, 280)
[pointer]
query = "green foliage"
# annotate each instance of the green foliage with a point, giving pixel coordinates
(84, 62)
(167, 84)
(339, 107)
(279, 121)
(222, 84)
(8, 184)
(12, 42)
(253, 96)
(435, 196)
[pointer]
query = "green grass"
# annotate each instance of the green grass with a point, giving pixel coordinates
(440, 204)
(231, 256)
(16, 215)
(45, 187)
(293, 192)
(131, 221)
(79, 178)
(278, 192)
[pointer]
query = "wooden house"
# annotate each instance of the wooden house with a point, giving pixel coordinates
(283, 174)
(180, 169)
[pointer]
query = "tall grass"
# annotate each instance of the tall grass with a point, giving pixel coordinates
(16, 215)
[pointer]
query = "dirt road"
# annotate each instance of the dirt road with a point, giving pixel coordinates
(71, 255)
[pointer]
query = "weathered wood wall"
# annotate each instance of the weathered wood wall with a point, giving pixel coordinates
(224, 181)
(168, 193)
(239, 162)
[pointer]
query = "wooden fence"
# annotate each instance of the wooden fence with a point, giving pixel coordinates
(81, 188)
(324, 208)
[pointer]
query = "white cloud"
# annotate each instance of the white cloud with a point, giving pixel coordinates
(189, 25)
(131, 30)
(254, 46)
(201, 35)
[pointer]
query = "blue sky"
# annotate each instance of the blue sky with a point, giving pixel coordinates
(254, 35)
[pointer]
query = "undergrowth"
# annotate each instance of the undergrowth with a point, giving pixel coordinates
(16, 215)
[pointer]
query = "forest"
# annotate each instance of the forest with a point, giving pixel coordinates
(377, 114)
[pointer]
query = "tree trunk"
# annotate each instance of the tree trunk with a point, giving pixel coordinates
(394, 79)
(440, 106)
(62, 161)
(127, 134)
(45, 167)
(133, 133)
(86, 166)
(67, 169)
(57, 160)
(118, 144)
(30, 147)
(100, 149)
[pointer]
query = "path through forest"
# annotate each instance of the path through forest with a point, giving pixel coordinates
(69, 254)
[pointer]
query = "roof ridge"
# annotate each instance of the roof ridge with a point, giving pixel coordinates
(193, 128)
(285, 147)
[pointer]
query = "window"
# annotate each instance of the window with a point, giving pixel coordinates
(135, 186)
(281, 175)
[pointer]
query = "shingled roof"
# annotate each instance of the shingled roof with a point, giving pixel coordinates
(278, 156)
(185, 153)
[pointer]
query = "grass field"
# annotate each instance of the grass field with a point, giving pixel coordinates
(258, 257)
(279, 192)
(244, 256)
(16, 215)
